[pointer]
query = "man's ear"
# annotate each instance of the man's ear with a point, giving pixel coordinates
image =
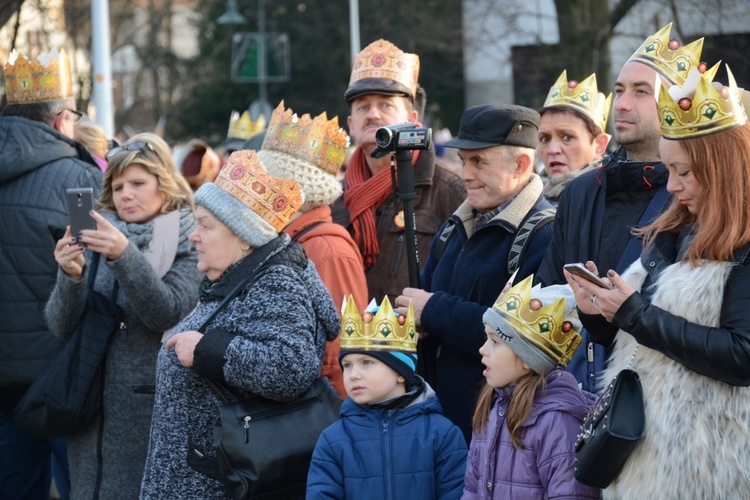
(414, 118)
(523, 163)
(57, 123)
(349, 122)
(600, 144)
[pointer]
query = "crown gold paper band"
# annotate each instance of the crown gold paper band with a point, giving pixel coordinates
(543, 326)
(382, 59)
(318, 141)
(383, 331)
(47, 78)
(684, 113)
(242, 127)
(668, 57)
(584, 97)
(274, 199)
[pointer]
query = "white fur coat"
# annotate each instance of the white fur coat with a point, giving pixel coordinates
(697, 442)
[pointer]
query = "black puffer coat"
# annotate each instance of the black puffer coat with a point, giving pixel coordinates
(37, 165)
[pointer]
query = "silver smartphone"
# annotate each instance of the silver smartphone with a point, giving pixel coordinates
(581, 271)
(80, 203)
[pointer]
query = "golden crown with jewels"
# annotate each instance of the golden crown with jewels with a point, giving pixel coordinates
(382, 59)
(243, 127)
(46, 78)
(668, 57)
(584, 97)
(318, 141)
(694, 112)
(382, 331)
(542, 325)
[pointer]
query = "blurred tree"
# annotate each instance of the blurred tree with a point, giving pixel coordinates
(321, 59)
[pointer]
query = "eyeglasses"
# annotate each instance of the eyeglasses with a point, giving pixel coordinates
(77, 115)
(133, 146)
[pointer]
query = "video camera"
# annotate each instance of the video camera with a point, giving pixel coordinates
(400, 137)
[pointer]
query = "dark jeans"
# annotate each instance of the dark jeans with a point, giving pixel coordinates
(25, 463)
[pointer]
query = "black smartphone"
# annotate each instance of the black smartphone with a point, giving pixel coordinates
(581, 271)
(80, 203)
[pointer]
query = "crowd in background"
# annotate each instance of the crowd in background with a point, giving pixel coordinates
(478, 375)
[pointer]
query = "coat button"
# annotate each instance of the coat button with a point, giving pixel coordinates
(501, 413)
(489, 485)
(652, 264)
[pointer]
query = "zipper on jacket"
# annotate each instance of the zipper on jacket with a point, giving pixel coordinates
(590, 352)
(387, 458)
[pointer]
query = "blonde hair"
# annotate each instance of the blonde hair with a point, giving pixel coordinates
(157, 161)
(521, 402)
(92, 137)
(721, 164)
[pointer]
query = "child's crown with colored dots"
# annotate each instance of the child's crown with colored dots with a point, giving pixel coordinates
(584, 97)
(668, 57)
(378, 328)
(694, 111)
(318, 141)
(544, 326)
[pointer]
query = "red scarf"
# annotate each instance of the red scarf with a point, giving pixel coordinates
(364, 194)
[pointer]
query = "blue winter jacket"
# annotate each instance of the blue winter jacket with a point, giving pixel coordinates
(376, 453)
(465, 281)
(496, 469)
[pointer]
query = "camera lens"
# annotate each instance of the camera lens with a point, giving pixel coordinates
(383, 137)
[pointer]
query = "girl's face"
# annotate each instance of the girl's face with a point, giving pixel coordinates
(503, 366)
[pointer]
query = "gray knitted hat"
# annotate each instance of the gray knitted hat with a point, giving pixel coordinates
(254, 205)
(543, 339)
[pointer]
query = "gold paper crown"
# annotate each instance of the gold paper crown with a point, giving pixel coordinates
(242, 127)
(384, 331)
(274, 199)
(584, 97)
(543, 326)
(667, 57)
(685, 112)
(46, 78)
(318, 140)
(382, 59)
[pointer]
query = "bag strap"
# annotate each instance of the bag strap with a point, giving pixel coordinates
(307, 230)
(529, 226)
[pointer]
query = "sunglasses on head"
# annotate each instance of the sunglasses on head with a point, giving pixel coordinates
(133, 146)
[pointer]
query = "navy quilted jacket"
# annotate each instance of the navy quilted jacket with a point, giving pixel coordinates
(37, 164)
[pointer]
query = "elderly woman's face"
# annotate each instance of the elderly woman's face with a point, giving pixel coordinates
(136, 195)
(218, 247)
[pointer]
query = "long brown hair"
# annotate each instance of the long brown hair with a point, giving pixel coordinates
(519, 408)
(721, 163)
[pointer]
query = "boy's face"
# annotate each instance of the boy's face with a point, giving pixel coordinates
(503, 366)
(368, 380)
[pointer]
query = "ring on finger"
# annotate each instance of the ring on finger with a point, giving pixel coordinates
(593, 299)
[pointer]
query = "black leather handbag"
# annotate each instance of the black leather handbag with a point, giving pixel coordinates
(67, 394)
(264, 447)
(611, 430)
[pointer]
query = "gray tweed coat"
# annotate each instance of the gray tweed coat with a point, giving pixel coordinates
(271, 341)
(150, 306)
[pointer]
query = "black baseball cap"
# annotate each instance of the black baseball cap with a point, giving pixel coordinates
(497, 125)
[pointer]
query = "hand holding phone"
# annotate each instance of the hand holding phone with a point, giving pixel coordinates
(80, 203)
(580, 271)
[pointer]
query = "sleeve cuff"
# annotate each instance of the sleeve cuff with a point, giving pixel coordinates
(208, 359)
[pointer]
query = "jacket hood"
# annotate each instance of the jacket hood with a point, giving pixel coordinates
(26, 145)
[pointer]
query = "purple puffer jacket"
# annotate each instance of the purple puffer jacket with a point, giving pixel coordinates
(544, 469)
